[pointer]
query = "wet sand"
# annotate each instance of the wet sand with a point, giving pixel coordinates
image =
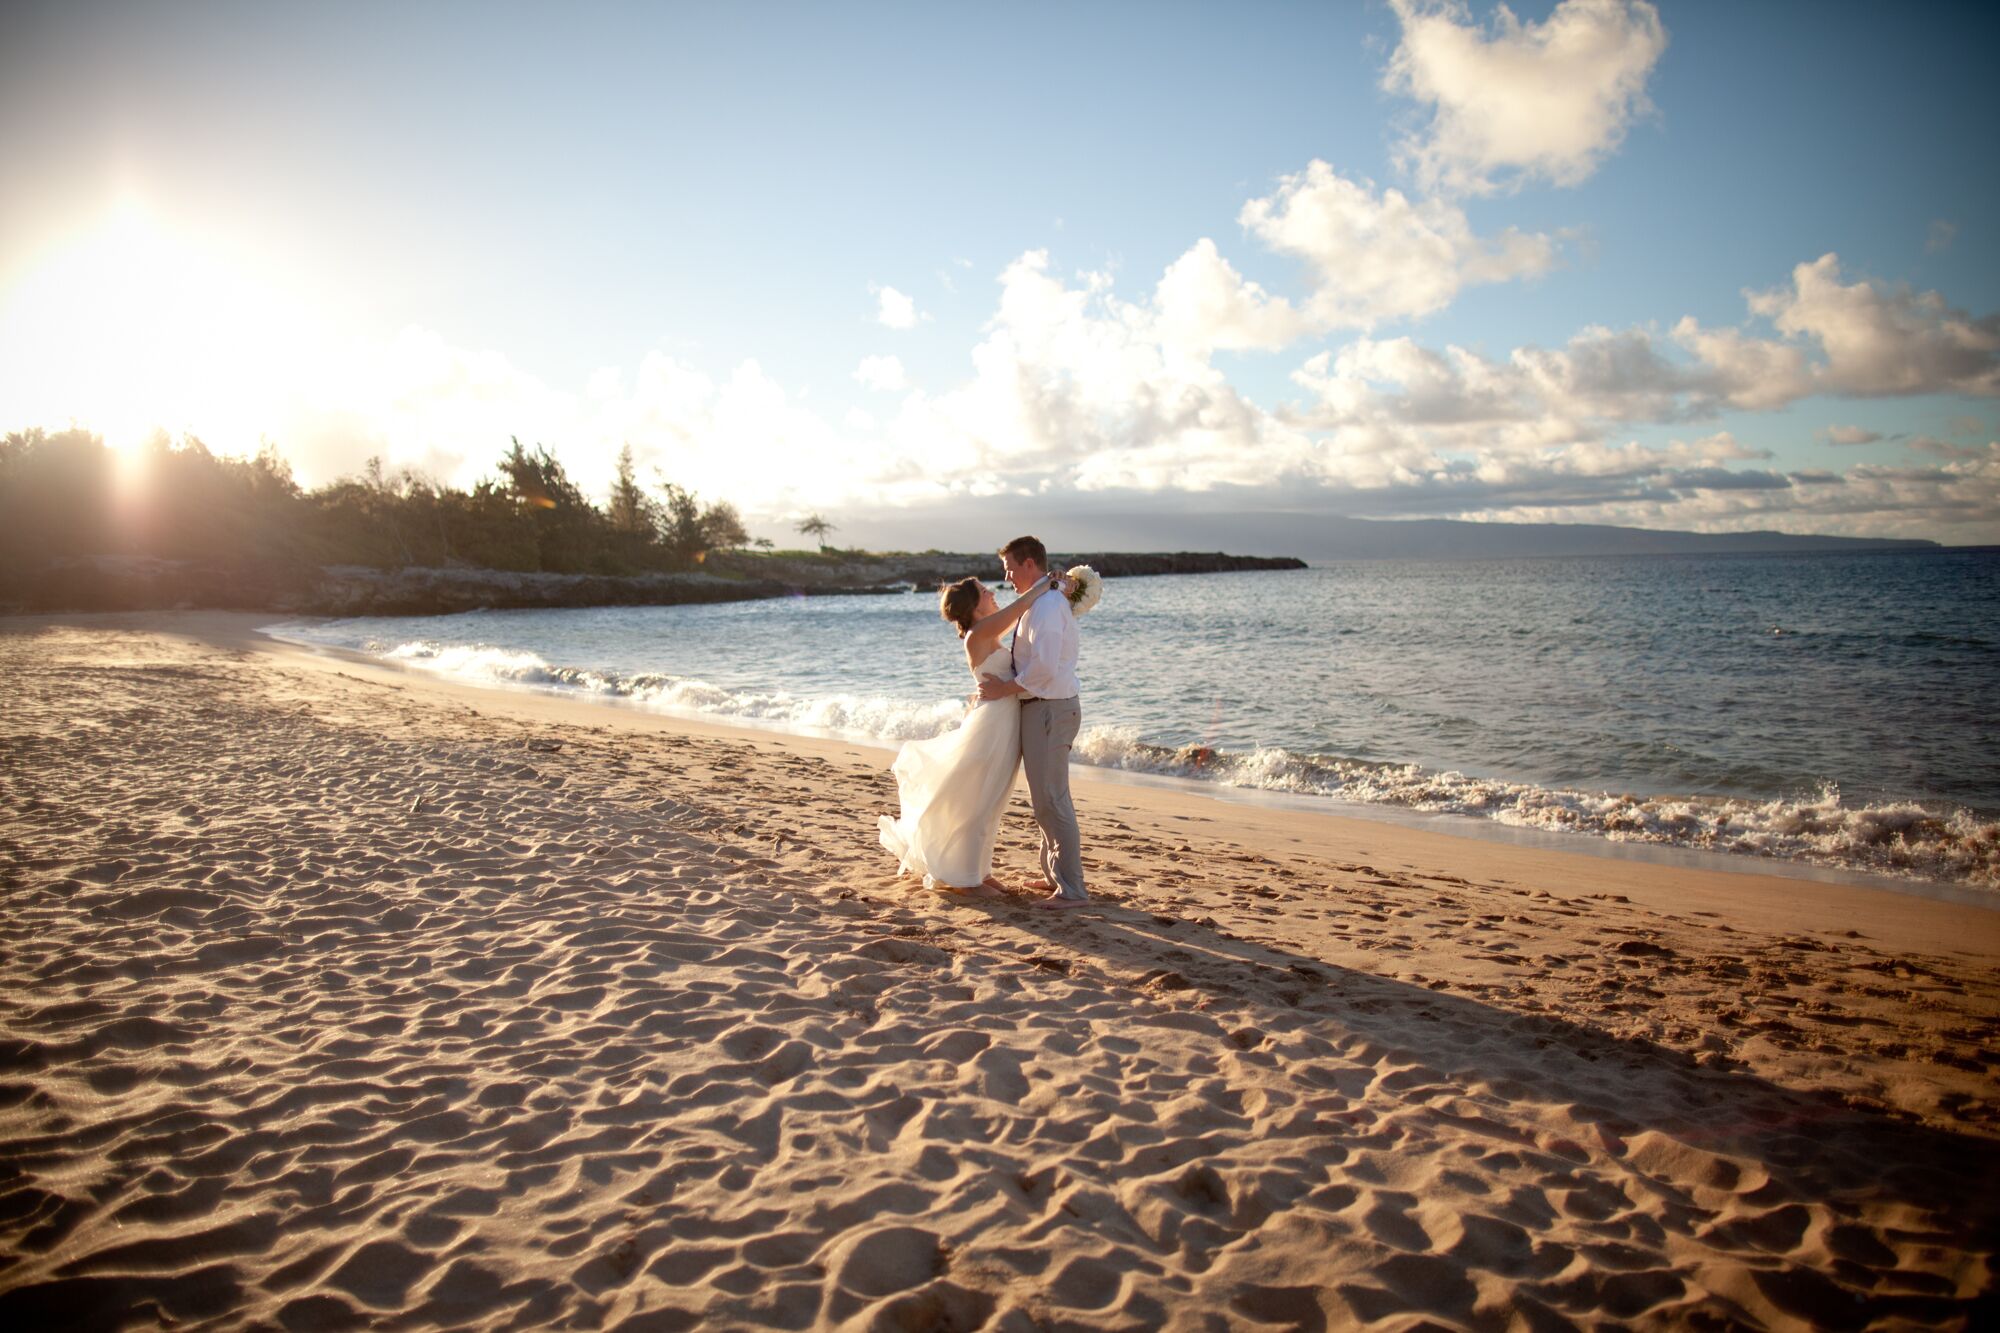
(332, 996)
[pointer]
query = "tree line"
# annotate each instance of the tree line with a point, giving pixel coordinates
(65, 493)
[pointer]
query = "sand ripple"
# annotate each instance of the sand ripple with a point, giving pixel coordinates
(330, 1004)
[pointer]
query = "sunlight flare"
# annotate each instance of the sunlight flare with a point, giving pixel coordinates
(133, 325)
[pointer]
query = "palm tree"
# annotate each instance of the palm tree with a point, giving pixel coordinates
(816, 527)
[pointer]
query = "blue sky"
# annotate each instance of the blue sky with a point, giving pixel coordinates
(920, 266)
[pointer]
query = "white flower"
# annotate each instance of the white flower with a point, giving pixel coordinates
(1089, 587)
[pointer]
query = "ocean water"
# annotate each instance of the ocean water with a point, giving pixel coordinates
(1837, 710)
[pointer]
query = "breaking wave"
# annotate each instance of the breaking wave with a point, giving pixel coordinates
(1898, 838)
(874, 717)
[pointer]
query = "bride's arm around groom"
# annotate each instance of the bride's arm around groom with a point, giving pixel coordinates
(982, 636)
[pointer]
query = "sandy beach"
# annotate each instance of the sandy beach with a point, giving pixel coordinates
(338, 997)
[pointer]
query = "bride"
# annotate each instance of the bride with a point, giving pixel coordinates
(954, 787)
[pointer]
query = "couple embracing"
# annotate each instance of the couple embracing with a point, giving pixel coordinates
(1025, 716)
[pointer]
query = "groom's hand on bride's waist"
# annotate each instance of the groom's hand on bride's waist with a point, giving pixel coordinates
(992, 687)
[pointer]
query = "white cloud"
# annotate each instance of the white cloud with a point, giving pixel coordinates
(1398, 380)
(1959, 502)
(895, 310)
(742, 438)
(1858, 341)
(1076, 390)
(1078, 396)
(1755, 374)
(1203, 303)
(1372, 473)
(884, 373)
(1073, 390)
(1926, 444)
(1535, 398)
(1603, 374)
(1380, 255)
(418, 401)
(1940, 236)
(1413, 430)
(1528, 100)
(1880, 340)
(448, 412)
(1371, 256)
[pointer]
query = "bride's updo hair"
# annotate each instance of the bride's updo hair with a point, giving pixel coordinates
(959, 603)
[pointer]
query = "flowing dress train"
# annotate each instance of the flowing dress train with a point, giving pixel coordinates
(954, 789)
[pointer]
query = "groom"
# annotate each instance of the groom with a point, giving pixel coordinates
(1045, 679)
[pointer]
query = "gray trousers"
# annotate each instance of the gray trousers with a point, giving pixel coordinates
(1048, 730)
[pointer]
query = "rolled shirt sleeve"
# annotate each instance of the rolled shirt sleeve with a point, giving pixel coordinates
(1045, 650)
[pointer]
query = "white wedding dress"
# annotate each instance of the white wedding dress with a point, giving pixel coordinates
(954, 790)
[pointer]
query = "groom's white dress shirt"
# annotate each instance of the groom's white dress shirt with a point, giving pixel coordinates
(1045, 650)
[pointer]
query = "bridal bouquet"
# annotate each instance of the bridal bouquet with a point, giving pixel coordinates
(1089, 586)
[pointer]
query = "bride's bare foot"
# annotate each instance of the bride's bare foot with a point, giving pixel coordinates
(995, 883)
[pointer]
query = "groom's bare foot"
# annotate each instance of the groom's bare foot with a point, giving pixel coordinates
(1058, 901)
(1038, 885)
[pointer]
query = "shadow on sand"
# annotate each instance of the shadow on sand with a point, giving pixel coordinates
(1644, 1146)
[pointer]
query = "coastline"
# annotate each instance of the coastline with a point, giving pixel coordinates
(378, 947)
(114, 583)
(1598, 823)
(1324, 826)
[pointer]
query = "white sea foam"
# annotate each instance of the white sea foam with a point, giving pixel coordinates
(1898, 837)
(872, 717)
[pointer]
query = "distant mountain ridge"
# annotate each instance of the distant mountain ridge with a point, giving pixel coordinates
(1441, 538)
(1319, 538)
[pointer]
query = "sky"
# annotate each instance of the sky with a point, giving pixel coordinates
(928, 270)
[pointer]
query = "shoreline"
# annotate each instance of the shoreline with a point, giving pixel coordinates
(332, 993)
(1323, 831)
(1447, 822)
(1447, 825)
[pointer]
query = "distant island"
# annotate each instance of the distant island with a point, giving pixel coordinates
(1456, 539)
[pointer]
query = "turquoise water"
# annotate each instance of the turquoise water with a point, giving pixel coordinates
(1833, 709)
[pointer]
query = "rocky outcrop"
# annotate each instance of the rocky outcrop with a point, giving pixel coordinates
(138, 583)
(348, 590)
(929, 568)
(142, 583)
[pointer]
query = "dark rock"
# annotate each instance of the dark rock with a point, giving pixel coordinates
(142, 583)
(927, 569)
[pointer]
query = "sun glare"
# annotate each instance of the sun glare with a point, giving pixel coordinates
(133, 326)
